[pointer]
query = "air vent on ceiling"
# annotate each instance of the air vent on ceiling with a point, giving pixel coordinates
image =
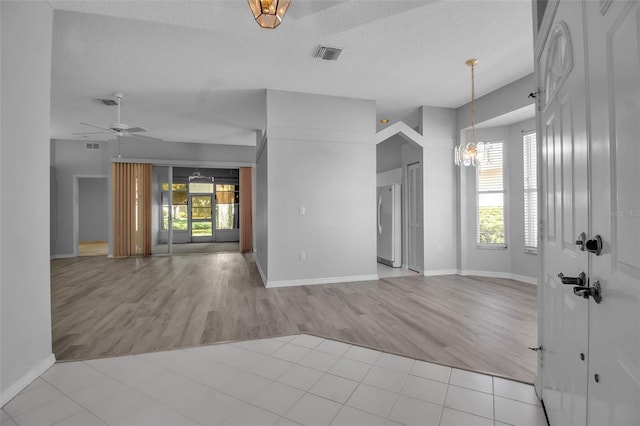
(328, 53)
(108, 102)
(92, 146)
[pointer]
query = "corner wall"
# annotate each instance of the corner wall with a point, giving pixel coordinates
(438, 128)
(321, 183)
(25, 297)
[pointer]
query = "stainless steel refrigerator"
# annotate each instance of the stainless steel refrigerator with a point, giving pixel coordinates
(389, 224)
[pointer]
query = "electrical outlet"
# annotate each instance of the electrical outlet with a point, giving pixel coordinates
(302, 210)
(439, 249)
(303, 255)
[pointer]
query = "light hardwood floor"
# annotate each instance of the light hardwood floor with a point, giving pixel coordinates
(106, 307)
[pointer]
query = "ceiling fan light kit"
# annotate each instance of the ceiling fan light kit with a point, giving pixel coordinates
(269, 13)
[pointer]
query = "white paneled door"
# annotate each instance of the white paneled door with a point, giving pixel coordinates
(414, 185)
(588, 69)
(564, 177)
(614, 324)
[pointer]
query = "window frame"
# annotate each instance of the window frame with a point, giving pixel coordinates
(527, 189)
(493, 246)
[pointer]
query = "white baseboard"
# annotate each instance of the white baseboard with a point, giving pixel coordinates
(26, 380)
(436, 272)
(508, 275)
(62, 256)
(314, 281)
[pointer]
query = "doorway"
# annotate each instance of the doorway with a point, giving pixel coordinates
(399, 163)
(92, 216)
(196, 210)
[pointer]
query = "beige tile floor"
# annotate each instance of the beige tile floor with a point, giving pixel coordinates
(292, 380)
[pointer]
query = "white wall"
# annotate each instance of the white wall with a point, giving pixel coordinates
(93, 209)
(335, 183)
(506, 99)
(522, 264)
(25, 302)
(389, 154)
(438, 127)
(261, 224)
(72, 158)
(328, 167)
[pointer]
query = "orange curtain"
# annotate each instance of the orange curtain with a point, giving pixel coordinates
(246, 221)
(131, 184)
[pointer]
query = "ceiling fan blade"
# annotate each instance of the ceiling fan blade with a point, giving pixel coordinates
(91, 133)
(146, 138)
(135, 130)
(97, 127)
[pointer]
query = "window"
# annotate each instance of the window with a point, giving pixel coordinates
(490, 194)
(179, 208)
(530, 193)
(226, 202)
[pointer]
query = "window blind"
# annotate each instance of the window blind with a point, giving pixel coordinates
(490, 197)
(131, 183)
(530, 192)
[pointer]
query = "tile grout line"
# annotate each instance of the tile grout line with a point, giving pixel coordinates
(74, 401)
(413, 361)
(446, 392)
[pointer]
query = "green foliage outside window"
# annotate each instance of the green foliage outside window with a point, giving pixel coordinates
(491, 225)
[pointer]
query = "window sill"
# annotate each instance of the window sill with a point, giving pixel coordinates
(531, 251)
(488, 247)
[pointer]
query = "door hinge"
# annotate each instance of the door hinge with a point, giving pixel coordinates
(539, 348)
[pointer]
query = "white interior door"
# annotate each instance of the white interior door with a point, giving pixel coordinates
(386, 248)
(414, 217)
(564, 215)
(614, 83)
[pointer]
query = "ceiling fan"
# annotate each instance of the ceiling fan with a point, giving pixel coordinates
(118, 128)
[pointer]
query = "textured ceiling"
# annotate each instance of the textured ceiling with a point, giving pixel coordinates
(195, 71)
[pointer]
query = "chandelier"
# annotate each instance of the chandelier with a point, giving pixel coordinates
(269, 13)
(472, 153)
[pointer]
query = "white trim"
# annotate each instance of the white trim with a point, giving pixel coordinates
(507, 275)
(62, 256)
(403, 130)
(314, 281)
(436, 272)
(261, 272)
(26, 380)
(318, 135)
(185, 163)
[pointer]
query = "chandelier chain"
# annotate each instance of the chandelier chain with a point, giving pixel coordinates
(473, 104)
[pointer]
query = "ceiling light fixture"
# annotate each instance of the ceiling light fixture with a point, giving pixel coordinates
(269, 13)
(384, 120)
(472, 153)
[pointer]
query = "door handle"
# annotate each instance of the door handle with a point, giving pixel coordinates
(594, 245)
(379, 213)
(594, 291)
(580, 280)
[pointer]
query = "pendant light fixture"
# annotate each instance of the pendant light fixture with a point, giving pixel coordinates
(472, 153)
(269, 13)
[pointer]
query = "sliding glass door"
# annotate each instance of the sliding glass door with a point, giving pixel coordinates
(201, 206)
